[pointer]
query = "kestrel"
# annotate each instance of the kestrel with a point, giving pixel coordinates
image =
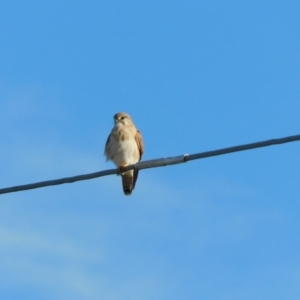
(124, 146)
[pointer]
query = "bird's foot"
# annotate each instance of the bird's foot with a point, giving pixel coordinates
(121, 169)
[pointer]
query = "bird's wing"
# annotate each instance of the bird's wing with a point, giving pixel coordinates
(140, 143)
(106, 145)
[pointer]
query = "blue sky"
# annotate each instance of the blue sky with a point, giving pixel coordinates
(195, 76)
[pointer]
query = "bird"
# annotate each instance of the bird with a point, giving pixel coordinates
(125, 146)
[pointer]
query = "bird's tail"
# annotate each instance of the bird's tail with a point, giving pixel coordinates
(128, 182)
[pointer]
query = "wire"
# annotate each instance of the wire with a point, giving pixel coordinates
(152, 164)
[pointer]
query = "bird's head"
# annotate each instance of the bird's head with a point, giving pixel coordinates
(122, 118)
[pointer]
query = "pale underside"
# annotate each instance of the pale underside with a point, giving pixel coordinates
(122, 153)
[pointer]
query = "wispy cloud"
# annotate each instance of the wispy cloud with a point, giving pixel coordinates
(37, 257)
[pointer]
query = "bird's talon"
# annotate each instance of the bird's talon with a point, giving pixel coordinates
(121, 169)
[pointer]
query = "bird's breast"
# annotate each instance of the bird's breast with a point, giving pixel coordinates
(124, 149)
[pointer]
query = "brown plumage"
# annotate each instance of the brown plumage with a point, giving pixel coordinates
(124, 146)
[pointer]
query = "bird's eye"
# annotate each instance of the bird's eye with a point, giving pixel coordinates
(122, 118)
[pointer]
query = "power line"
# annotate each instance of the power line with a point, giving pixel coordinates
(152, 164)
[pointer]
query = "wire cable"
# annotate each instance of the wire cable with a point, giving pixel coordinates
(161, 162)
